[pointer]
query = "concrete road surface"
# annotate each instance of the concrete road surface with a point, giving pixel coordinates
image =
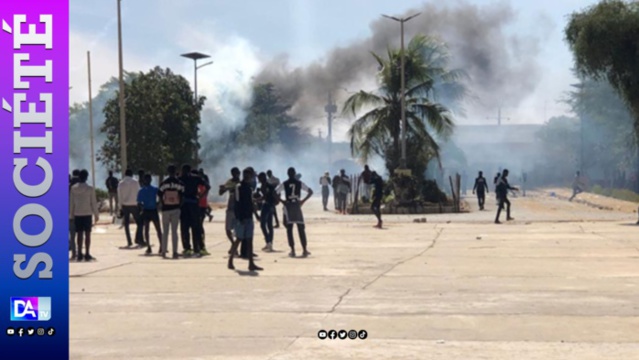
(559, 282)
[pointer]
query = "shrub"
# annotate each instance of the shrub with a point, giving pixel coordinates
(621, 194)
(432, 193)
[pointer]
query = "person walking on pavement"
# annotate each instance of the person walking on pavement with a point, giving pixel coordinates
(244, 227)
(325, 182)
(128, 199)
(112, 188)
(376, 200)
(268, 198)
(577, 186)
(147, 200)
(365, 180)
(481, 187)
(502, 194)
(230, 186)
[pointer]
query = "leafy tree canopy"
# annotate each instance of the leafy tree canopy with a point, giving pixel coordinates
(162, 122)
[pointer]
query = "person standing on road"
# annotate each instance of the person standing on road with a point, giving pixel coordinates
(244, 227)
(378, 194)
(336, 182)
(268, 198)
(274, 182)
(502, 194)
(148, 201)
(481, 187)
(171, 192)
(73, 179)
(128, 199)
(365, 178)
(293, 209)
(230, 185)
(112, 188)
(208, 211)
(203, 204)
(343, 189)
(325, 182)
(190, 212)
(83, 209)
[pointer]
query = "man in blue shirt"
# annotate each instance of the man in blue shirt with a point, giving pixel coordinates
(148, 201)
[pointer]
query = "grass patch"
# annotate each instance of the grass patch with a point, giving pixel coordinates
(621, 194)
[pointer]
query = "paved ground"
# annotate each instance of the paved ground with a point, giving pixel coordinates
(560, 282)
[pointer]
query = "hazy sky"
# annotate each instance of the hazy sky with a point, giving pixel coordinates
(242, 34)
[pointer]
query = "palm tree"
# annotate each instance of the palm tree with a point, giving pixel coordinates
(428, 80)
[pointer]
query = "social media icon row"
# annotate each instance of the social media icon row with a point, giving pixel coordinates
(342, 334)
(20, 332)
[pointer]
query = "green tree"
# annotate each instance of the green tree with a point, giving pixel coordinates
(605, 42)
(607, 127)
(162, 122)
(428, 80)
(267, 122)
(560, 139)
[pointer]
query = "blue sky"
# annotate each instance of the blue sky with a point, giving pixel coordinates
(243, 34)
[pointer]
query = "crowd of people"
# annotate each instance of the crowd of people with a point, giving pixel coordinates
(181, 200)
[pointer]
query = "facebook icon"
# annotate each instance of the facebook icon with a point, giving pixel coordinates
(30, 308)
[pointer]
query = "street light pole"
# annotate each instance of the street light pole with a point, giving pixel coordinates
(123, 157)
(91, 120)
(195, 56)
(403, 87)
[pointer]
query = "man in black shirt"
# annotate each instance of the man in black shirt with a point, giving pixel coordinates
(190, 212)
(481, 187)
(141, 178)
(376, 199)
(171, 192)
(244, 219)
(112, 188)
(268, 197)
(293, 209)
(502, 195)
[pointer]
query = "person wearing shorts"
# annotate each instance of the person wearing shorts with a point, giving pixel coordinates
(83, 208)
(293, 209)
(244, 227)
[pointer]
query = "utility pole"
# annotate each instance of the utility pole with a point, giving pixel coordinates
(91, 120)
(330, 109)
(403, 88)
(498, 118)
(122, 104)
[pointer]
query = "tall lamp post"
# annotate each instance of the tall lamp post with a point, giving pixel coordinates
(403, 85)
(195, 56)
(93, 175)
(121, 99)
